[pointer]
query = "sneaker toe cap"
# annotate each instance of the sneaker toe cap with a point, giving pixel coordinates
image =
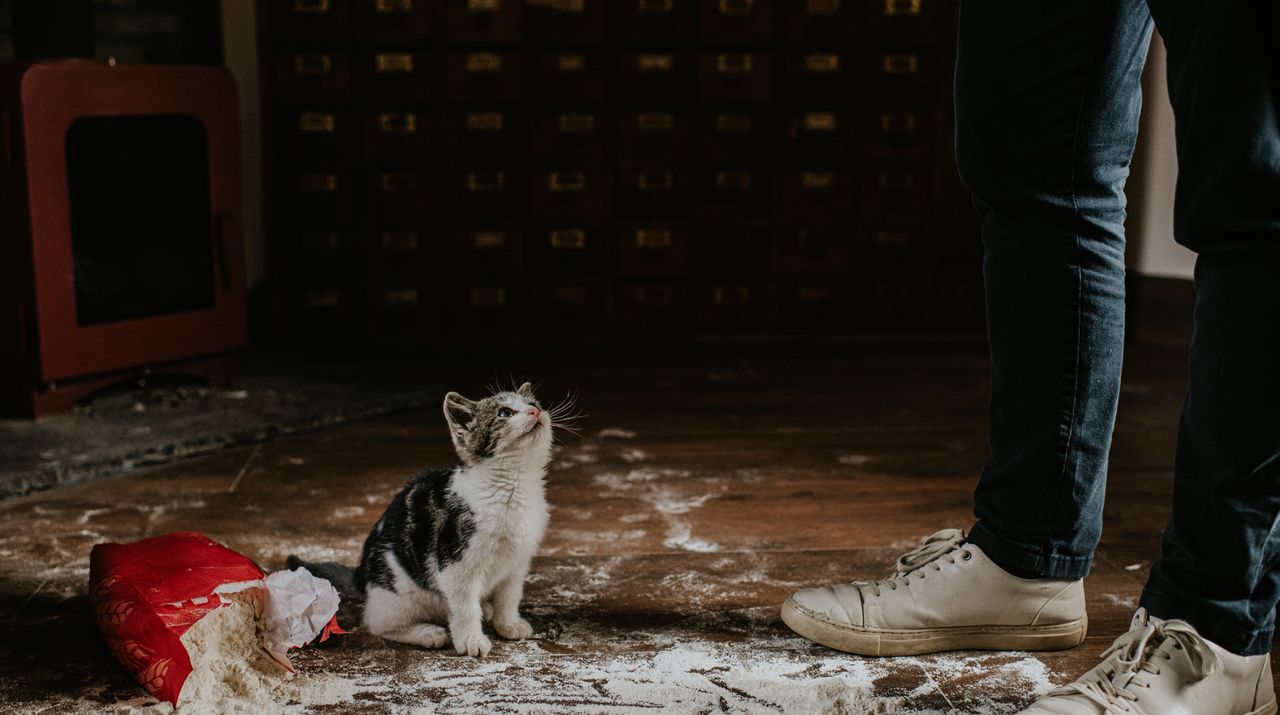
(837, 604)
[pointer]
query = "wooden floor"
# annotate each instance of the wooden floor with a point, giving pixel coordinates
(706, 487)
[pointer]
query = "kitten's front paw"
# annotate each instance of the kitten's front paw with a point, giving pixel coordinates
(516, 630)
(486, 611)
(476, 647)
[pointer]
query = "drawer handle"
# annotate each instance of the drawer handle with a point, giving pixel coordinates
(653, 238)
(319, 183)
(486, 181)
(822, 7)
(311, 6)
(389, 6)
(655, 181)
(488, 240)
(323, 299)
(653, 5)
(488, 297)
(565, 6)
(896, 180)
(898, 123)
(400, 240)
(398, 123)
(901, 63)
(406, 297)
(397, 182)
(567, 62)
(820, 122)
(656, 63)
(893, 238)
(893, 8)
(313, 65)
(484, 5)
(733, 62)
(736, 7)
(317, 123)
(577, 123)
(573, 295)
(655, 121)
(822, 62)
(814, 294)
(567, 180)
(736, 123)
(653, 295)
(484, 62)
(734, 180)
(484, 122)
(731, 295)
(811, 180)
(320, 241)
(567, 238)
(392, 62)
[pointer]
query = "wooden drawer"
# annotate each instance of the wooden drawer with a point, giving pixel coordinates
(400, 311)
(901, 75)
(570, 308)
(736, 20)
(310, 22)
(896, 252)
(730, 306)
(484, 20)
(484, 250)
(660, 191)
(895, 307)
(320, 196)
(822, 77)
(568, 137)
(959, 304)
(313, 77)
(902, 22)
(652, 249)
(653, 308)
(575, 195)
(808, 306)
(393, 20)
(307, 136)
(655, 76)
(735, 193)
(484, 192)
(396, 137)
(653, 21)
(323, 312)
(483, 76)
(396, 77)
(734, 137)
(819, 136)
(898, 133)
(400, 196)
(657, 137)
(489, 310)
(403, 255)
(897, 191)
(482, 137)
(832, 23)
(570, 77)
(818, 194)
(731, 250)
(734, 76)
(954, 200)
(324, 253)
(569, 250)
(573, 21)
(816, 250)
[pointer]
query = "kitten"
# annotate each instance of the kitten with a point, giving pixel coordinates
(454, 546)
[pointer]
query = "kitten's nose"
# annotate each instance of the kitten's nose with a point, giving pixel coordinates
(535, 412)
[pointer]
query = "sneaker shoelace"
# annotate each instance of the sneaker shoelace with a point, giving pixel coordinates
(1135, 655)
(942, 546)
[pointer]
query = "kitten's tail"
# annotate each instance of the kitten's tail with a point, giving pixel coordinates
(342, 577)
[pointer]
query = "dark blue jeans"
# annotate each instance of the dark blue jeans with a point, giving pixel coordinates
(1047, 103)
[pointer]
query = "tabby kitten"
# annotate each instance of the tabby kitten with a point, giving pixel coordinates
(454, 546)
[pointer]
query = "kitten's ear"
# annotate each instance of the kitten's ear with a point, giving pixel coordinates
(458, 411)
(525, 390)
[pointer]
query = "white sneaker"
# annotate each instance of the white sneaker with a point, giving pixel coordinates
(1166, 668)
(946, 595)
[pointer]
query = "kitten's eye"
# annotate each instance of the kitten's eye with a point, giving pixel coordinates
(506, 412)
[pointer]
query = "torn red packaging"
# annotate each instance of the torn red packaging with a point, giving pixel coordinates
(147, 594)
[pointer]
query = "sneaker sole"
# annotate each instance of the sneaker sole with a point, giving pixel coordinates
(881, 641)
